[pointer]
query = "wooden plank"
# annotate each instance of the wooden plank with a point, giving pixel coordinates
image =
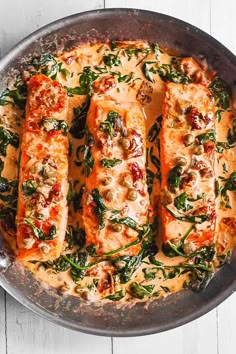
(18, 18)
(189, 11)
(223, 29)
(226, 326)
(28, 333)
(196, 337)
(2, 322)
(223, 22)
(202, 333)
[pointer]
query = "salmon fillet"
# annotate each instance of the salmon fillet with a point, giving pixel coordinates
(42, 204)
(115, 201)
(187, 143)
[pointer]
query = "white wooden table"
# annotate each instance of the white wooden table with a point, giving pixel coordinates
(21, 331)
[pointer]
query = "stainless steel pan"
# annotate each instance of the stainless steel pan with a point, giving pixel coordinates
(69, 312)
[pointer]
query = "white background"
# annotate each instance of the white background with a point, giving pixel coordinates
(21, 331)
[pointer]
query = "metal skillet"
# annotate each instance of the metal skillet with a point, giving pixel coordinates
(70, 312)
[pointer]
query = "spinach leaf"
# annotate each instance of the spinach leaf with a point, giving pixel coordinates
(63, 263)
(220, 92)
(118, 295)
(146, 71)
(80, 259)
(125, 221)
(7, 138)
(168, 72)
(197, 219)
(77, 129)
(86, 79)
(52, 232)
(49, 66)
(155, 130)
(37, 232)
(111, 60)
(88, 160)
(58, 265)
(1, 166)
(92, 250)
(199, 280)
(221, 145)
(74, 91)
(107, 125)
(230, 184)
(29, 187)
(4, 98)
(150, 180)
(130, 265)
(141, 291)
(156, 163)
(51, 124)
(204, 137)
(100, 208)
(165, 288)
(70, 237)
(11, 188)
(218, 114)
(174, 178)
(231, 136)
(180, 202)
(77, 199)
(123, 78)
(17, 95)
(110, 163)
(149, 274)
(4, 185)
(131, 52)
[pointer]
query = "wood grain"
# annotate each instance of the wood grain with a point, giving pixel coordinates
(2, 322)
(28, 333)
(226, 326)
(188, 339)
(223, 28)
(30, 15)
(223, 22)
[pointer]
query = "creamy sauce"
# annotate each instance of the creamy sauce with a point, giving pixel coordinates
(91, 287)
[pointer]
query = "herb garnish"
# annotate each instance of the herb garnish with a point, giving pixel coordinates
(204, 137)
(141, 291)
(77, 129)
(220, 92)
(39, 233)
(86, 79)
(109, 124)
(7, 138)
(51, 124)
(49, 66)
(111, 60)
(110, 163)
(174, 178)
(100, 208)
(118, 295)
(230, 185)
(197, 219)
(29, 187)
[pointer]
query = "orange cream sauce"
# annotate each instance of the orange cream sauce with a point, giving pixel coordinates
(74, 62)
